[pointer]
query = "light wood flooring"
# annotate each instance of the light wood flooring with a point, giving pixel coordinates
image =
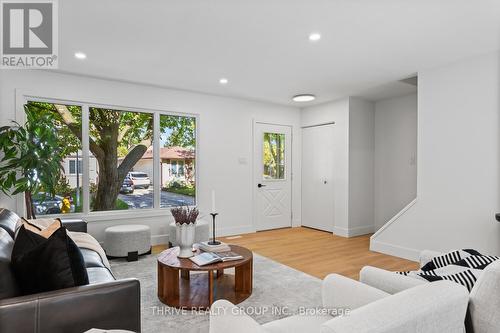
(317, 253)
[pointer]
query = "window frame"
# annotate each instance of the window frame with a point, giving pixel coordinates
(22, 97)
(284, 159)
(76, 167)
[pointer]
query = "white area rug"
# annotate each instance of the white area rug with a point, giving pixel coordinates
(278, 291)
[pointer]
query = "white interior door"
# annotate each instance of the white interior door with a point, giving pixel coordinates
(317, 177)
(272, 176)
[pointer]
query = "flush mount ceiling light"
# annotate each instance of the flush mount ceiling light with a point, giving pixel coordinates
(223, 81)
(303, 98)
(80, 55)
(314, 37)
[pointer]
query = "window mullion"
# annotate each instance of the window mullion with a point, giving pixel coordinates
(86, 158)
(156, 160)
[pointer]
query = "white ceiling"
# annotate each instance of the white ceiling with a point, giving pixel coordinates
(262, 46)
(387, 90)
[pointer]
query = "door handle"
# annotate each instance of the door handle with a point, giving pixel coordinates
(260, 185)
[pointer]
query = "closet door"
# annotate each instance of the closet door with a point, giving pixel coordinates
(317, 177)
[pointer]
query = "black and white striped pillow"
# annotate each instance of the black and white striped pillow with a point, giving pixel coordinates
(476, 261)
(467, 278)
(448, 259)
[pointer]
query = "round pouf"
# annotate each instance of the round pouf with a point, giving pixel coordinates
(129, 241)
(201, 233)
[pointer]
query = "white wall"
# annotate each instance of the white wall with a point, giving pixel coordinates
(458, 163)
(353, 161)
(361, 163)
(395, 156)
(225, 135)
(337, 111)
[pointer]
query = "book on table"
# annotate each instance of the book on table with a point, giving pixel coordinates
(222, 247)
(207, 258)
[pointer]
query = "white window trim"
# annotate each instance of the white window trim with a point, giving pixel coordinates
(22, 97)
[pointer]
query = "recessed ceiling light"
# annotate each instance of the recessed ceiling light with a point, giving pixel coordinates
(314, 37)
(80, 55)
(303, 98)
(223, 81)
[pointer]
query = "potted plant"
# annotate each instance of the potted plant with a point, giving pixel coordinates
(31, 159)
(185, 222)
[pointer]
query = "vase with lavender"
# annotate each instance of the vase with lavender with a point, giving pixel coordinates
(185, 222)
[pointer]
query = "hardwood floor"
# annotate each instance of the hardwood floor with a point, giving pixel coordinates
(316, 252)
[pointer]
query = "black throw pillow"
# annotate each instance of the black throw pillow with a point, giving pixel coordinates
(43, 264)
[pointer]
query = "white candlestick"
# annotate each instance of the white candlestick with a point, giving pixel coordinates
(213, 201)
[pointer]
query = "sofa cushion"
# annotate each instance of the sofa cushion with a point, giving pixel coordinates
(484, 301)
(99, 275)
(91, 258)
(299, 323)
(45, 231)
(8, 221)
(41, 264)
(8, 284)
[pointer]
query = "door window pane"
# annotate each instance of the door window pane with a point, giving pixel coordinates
(121, 159)
(274, 156)
(177, 160)
(67, 123)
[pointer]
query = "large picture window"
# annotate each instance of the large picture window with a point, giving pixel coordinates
(121, 168)
(121, 141)
(177, 160)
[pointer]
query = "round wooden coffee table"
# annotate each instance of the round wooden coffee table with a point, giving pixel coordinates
(183, 284)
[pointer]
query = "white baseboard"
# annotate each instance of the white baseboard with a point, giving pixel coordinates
(232, 231)
(362, 230)
(394, 250)
(342, 232)
(159, 239)
(163, 238)
(353, 232)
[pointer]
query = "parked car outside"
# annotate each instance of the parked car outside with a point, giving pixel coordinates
(139, 179)
(127, 186)
(47, 204)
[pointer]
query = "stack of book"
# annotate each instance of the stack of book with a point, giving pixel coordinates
(222, 247)
(207, 258)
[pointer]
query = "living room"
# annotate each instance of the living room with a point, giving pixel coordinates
(330, 144)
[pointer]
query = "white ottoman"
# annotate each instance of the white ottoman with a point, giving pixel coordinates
(129, 241)
(200, 234)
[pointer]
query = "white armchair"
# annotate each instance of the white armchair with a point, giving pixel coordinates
(438, 307)
(484, 299)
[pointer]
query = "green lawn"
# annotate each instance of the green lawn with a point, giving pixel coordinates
(190, 191)
(120, 204)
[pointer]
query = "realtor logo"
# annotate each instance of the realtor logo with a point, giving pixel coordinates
(29, 34)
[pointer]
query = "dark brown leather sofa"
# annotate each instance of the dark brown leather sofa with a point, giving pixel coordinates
(105, 303)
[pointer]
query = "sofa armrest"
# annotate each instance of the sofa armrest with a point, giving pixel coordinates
(111, 305)
(437, 307)
(427, 255)
(73, 224)
(390, 282)
(485, 301)
(340, 292)
(225, 317)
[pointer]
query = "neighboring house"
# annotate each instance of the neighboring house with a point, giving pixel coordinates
(176, 163)
(70, 169)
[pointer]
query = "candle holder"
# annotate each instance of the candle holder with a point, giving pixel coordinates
(213, 241)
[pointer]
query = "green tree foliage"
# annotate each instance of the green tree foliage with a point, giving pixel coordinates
(32, 157)
(274, 155)
(183, 130)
